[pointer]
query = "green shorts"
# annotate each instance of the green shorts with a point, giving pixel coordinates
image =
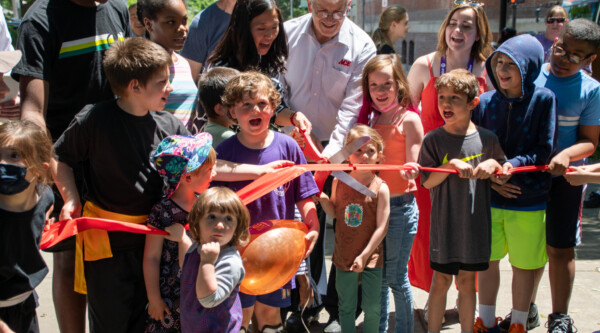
(521, 234)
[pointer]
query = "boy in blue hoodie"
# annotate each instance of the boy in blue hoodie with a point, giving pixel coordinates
(578, 110)
(524, 119)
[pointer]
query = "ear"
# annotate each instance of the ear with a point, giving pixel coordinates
(474, 103)
(348, 6)
(309, 4)
(590, 59)
(134, 86)
(232, 113)
(148, 24)
(188, 179)
(45, 166)
(220, 109)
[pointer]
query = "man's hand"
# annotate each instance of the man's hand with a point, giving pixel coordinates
(301, 122)
(209, 253)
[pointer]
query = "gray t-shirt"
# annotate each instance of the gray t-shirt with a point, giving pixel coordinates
(460, 207)
(206, 30)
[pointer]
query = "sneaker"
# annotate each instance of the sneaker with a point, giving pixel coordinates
(480, 328)
(333, 327)
(516, 328)
(593, 201)
(533, 319)
(560, 323)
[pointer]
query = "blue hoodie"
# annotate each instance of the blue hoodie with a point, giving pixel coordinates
(525, 126)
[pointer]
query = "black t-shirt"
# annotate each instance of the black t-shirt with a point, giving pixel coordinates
(22, 267)
(115, 148)
(63, 43)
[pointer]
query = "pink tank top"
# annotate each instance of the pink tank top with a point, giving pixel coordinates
(430, 115)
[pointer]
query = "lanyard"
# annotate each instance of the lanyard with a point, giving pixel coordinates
(443, 65)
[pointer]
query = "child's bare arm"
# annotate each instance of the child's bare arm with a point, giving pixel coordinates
(584, 147)
(231, 172)
(583, 175)
(65, 182)
(383, 216)
(328, 203)
(413, 132)
(486, 169)
(465, 170)
(308, 211)
(151, 267)
(177, 234)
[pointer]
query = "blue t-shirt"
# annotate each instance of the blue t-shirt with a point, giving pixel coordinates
(578, 103)
(205, 32)
(279, 203)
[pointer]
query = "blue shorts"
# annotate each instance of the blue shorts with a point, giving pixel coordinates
(280, 298)
(563, 214)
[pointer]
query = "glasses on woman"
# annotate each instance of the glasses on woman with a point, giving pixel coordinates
(337, 15)
(551, 20)
(574, 59)
(468, 3)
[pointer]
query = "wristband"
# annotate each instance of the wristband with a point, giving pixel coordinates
(292, 118)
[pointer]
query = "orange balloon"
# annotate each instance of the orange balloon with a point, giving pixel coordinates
(273, 255)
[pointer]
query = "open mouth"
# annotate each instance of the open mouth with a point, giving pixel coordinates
(448, 114)
(457, 39)
(381, 99)
(255, 122)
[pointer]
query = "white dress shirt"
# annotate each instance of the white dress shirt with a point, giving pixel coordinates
(324, 80)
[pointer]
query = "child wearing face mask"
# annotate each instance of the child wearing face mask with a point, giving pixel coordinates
(25, 202)
(386, 108)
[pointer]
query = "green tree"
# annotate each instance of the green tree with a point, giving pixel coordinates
(284, 5)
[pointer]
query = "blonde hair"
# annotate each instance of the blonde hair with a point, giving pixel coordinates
(461, 81)
(557, 9)
(363, 130)
(250, 83)
(381, 61)
(32, 143)
(482, 48)
(391, 14)
(222, 200)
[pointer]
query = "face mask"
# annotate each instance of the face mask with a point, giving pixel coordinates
(12, 179)
(389, 107)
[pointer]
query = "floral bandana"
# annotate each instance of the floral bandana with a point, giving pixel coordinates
(178, 155)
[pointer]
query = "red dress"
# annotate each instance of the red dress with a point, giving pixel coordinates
(419, 271)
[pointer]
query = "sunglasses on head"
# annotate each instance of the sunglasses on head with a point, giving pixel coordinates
(551, 20)
(468, 3)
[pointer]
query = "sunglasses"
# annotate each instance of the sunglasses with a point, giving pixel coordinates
(468, 3)
(551, 20)
(574, 59)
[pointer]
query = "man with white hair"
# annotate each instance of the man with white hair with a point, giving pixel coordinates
(327, 53)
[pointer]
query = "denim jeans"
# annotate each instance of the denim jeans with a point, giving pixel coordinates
(404, 216)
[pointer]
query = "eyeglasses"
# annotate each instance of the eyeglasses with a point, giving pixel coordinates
(551, 20)
(468, 3)
(574, 59)
(337, 15)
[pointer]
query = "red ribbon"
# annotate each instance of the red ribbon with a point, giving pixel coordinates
(62, 230)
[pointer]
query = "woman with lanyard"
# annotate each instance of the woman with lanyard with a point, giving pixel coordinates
(464, 41)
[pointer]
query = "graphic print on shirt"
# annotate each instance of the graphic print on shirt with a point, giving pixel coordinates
(280, 191)
(353, 215)
(464, 159)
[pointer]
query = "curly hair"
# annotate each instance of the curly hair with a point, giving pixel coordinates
(250, 83)
(461, 81)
